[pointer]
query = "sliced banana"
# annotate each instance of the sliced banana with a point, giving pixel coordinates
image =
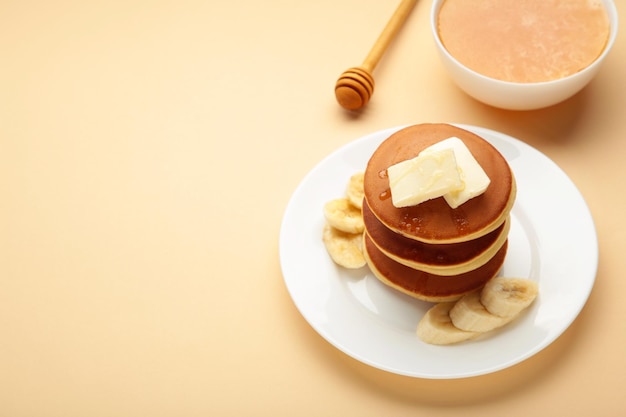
(345, 249)
(470, 315)
(355, 192)
(446, 322)
(342, 215)
(436, 327)
(506, 297)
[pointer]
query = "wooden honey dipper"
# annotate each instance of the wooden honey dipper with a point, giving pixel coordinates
(355, 86)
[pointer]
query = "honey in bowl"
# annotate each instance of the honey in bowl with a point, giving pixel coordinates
(524, 41)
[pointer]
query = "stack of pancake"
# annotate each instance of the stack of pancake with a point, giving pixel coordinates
(432, 251)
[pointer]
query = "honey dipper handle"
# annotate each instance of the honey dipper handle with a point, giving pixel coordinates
(393, 25)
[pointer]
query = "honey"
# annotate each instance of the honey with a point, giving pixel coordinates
(524, 40)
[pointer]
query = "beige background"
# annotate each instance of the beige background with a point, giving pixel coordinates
(147, 152)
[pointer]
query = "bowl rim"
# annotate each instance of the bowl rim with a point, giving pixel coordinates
(613, 29)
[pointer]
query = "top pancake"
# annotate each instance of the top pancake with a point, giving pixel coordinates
(434, 221)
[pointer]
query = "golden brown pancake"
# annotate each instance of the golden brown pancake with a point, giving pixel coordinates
(434, 221)
(439, 259)
(425, 286)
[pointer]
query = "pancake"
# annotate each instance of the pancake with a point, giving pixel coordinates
(440, 259)
(434, 221)
(425, 286)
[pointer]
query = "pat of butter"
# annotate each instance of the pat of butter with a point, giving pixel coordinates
(446, 169)
(429, 175)
(475, 180)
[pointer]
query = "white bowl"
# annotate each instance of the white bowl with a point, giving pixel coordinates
(520, 96)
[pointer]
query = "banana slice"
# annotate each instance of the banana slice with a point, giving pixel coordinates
(506, 297)
(345, 249)
(355, 191)
(469, 314)
(342, 215)
(436, 327)
(498, 303)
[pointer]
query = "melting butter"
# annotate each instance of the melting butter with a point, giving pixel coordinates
(427, 176)
(446, 169)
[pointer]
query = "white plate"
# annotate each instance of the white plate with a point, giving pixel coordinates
(552, 240)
